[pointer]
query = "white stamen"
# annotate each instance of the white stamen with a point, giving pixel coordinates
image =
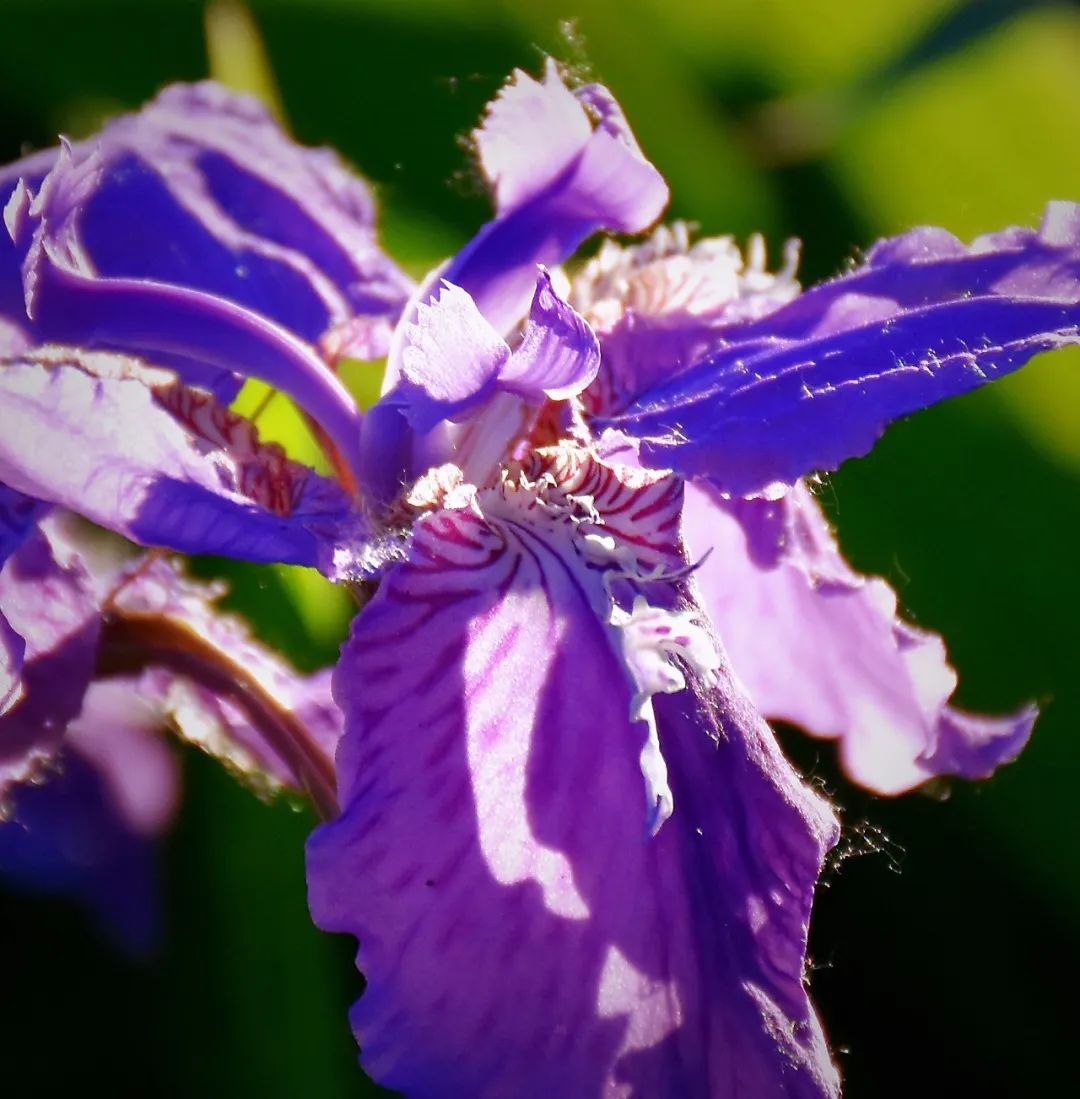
(652, 638)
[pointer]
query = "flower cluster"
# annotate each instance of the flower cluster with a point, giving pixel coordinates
(588, 556)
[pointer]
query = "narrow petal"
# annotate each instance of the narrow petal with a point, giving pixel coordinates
(562, 167)
(818, 380)
(820, 646)
(520, 932)
(17, 182)
(160, 464)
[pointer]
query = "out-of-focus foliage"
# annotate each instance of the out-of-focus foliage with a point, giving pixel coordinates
(832, 120)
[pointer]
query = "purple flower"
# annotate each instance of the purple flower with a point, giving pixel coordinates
(571, 850)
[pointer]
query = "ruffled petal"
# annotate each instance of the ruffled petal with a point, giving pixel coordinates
(664, 304)
(48, 601)
(161, 464)
(818, 380)
(820, 646)
(563, 165)
(17, 182)
(201, 190)
(520, 932)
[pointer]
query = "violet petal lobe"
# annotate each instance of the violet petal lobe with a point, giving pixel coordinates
(159, 463)
(453, 358)
(208, 341)
(520, 932)
(820, 646)
(450, 360)
(202, 190)
(818, 380)
(559, 354)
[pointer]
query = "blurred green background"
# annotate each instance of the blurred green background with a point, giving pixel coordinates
(945, 954)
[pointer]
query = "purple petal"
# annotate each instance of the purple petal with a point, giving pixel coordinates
(559, 354)
(820, 646)
(201, 190)
(453, 359)
(160, 464)
(47, 600)
(558, 178)
(818, 381)
(519, 931)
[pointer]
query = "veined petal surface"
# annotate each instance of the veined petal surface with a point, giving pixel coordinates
(520, 931)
